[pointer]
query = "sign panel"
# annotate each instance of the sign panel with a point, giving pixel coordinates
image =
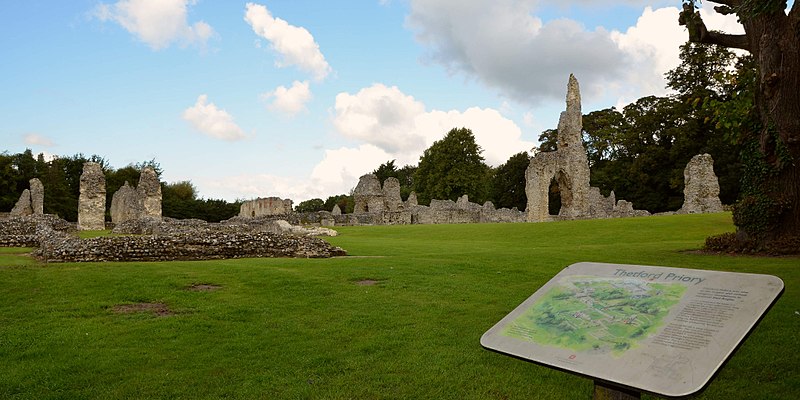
(657, 329)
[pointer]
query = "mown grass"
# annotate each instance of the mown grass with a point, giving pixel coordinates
(286, 328)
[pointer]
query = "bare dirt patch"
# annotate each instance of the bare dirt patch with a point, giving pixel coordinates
(368, 282)
(158, 309)
(203, 287)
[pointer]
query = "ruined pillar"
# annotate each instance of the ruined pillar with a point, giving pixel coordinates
(23, 206)
(92, 199)
(701, 186)
(149, 190)
(37, 196)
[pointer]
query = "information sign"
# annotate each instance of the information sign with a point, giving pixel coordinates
(656, 329)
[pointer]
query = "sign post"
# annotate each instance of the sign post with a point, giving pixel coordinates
(636, 328)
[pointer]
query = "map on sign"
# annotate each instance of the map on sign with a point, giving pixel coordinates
(661, 330)
(596, 314)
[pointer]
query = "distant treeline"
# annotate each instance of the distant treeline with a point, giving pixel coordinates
(61, 179)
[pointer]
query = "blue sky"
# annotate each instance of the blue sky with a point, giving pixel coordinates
(296, 98)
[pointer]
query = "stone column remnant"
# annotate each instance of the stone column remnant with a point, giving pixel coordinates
(37, 196)
(149, 190)
(701, 186)
(92, 199)
(23, 206)
(391, 194)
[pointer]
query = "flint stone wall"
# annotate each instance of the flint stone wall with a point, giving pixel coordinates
(569, 166)
(701, 186)
(23, 206)
(37, 196)
(125, 204)
(92, 199)
(149, 191)
(21, 231)
(187, 246)
(268, 206)
(368, 195)
(144, 201)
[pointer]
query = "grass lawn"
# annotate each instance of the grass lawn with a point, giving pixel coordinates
(295, 329)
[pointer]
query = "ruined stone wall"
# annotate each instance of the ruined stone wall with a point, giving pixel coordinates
(125, 205)
(701, 186)
(92, 199)
(368, 195)
(568, 165)
(21, 231)
(23, 205)
(149, 191)
(37, 196)
(144, 201)
(268, 206)
(187, 246)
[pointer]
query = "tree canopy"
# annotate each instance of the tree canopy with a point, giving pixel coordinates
(452, 167)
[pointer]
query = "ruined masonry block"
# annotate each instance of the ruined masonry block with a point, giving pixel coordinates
(92, 199)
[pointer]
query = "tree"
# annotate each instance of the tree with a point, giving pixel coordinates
(508, 182)
(452, 167)
(768, 211)
(405, 175)
(345, 202)
(311, 205)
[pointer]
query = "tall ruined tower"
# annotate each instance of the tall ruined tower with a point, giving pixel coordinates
(568, 165)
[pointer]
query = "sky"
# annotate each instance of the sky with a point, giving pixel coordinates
(299, 98)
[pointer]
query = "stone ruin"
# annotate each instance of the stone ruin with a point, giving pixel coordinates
(701, 187)
(262, 207)
(92, 199)
(143, 202)
(383, 205)
(569, 167)
(31, 202)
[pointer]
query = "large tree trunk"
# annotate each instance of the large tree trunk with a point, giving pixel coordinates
(773, 38)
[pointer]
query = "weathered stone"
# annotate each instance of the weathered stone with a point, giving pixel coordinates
(149, 191)
(568, 165)
(92, 199)
(23, 206)
(268, 206)
(336, 210)
(701, 187)
(412, 200)
(37, 196)
(391, 194)
(125, 205)
(368, 195)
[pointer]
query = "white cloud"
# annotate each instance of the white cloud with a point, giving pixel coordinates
(209, 119)
(290, 100)
(506, 46)
(398, 125)
(35, 139)
(158, 23)
(339, 170)
(295, 44)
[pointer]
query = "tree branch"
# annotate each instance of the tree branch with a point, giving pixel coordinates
(698, 32)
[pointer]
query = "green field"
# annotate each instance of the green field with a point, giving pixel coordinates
(400, 318)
